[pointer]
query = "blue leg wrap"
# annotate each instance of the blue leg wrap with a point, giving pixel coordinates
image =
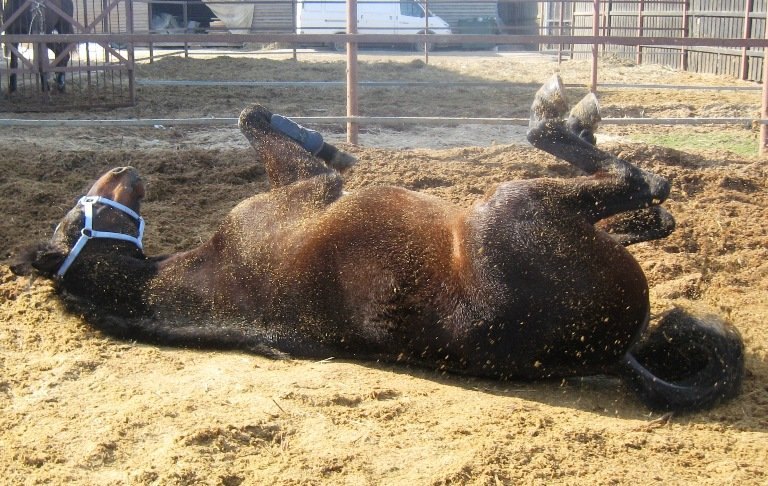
(310, 140)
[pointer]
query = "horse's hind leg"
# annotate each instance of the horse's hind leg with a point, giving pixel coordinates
(313, 142)
(290, 152)
(618, 186)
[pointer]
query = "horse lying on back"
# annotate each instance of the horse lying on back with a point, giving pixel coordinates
(522, 285)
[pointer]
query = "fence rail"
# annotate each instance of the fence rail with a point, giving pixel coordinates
(703, 35)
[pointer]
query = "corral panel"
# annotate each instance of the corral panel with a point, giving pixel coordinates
(97, 75)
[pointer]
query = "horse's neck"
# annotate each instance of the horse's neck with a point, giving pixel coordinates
(187, 279)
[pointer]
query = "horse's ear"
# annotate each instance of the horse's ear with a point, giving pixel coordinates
(45, 258)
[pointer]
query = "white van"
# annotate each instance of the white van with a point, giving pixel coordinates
(373, 17)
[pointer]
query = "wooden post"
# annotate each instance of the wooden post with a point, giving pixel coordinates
(686, 34)
(87, 49)
(607, 20)
(763, 149)
(426, 31)
(595, 33)
(185, 19)
(352, 126)
(746, 34)
(131, 54)
(293, 21)
(560, 20)
(640, 29)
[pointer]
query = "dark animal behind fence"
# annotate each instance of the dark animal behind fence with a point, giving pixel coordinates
(37, 17)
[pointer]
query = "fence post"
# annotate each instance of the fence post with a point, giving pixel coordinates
(352, 126)
(595, 32)
(293, 22)
(426, 31)
(686, 34)
(640, 29)
(747, 33)
(561, 19)
(763, 149)
(131, 54)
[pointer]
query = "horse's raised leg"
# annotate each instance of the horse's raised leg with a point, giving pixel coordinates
(313, 142)
(686, 362)
(290, 152)
(619, 185)
(629, 227)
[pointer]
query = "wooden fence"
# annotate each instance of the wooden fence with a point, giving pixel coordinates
(688, 19)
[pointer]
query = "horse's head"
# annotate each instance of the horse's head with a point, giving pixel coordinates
(121, 185)
(105, 219)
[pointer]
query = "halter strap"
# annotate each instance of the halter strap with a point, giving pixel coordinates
(88, 232)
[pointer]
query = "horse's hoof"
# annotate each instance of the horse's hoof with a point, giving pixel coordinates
(585, 118)
(253, 122)
(341, 161)
(253, 117)
(550, 102)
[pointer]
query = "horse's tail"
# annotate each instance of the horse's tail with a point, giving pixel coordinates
(686, 363)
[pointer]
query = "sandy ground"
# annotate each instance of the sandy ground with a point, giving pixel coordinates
(80, 408)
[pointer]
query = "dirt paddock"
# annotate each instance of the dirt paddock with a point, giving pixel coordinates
(80, 408)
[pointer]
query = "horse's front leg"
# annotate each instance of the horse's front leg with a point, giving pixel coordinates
(41, 59)
(60, 77)
(290, 152)
(12, 82)
(617, 185)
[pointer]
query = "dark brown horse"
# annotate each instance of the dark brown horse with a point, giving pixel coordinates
(522, 285)
(39, 17)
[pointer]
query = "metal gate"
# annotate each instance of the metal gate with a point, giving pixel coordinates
(99, 74)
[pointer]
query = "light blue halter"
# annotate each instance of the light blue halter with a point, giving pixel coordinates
(88, 232)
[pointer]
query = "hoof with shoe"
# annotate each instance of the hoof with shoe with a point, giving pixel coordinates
(253, 121)
(585, 118)
(337, 159)
(550, 102)
(342, 161)
(257, 118)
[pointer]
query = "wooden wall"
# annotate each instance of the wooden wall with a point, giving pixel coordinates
(716, 19)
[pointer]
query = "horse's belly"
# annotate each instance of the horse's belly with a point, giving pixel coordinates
(567, 310)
